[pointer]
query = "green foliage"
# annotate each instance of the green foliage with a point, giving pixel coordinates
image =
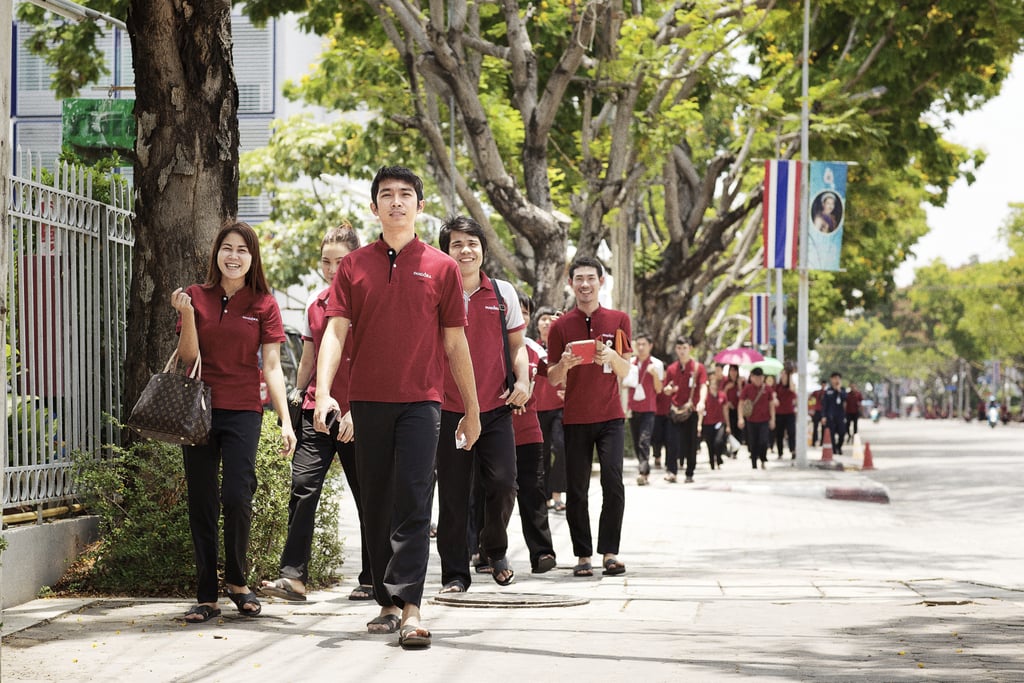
(140, 496)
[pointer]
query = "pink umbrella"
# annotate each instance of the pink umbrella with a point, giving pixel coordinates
(741, 356)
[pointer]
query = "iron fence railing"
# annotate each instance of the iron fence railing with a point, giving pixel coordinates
(69, 269)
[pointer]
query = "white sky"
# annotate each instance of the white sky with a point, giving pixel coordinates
(969, 223)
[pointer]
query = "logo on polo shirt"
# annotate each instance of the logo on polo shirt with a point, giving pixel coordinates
(421, 274)
(250, 317)
(492, 308)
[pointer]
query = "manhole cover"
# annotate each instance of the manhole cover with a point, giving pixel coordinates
(507, 600)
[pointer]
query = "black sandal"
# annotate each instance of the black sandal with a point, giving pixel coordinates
(500, 567)
(205, 611)
(243, 599)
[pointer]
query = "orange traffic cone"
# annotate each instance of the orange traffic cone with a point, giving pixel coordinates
(826, 446)
(868, 463)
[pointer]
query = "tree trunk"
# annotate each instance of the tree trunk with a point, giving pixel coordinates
(186, 167)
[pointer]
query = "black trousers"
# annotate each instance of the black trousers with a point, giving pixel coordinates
(734, 425)
(837, 430)
(714, 436)
(816, 434)
(641, 426)
(757, 442)
(785, 432)
(659, 435)
(580, 441)
(395, 453)
(683, 443)
(233, 441)
(494, 456)
(851, 423)
(533, 501)
(312, 459)
(553, 449)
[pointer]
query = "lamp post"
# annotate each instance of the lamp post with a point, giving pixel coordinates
(803, 304)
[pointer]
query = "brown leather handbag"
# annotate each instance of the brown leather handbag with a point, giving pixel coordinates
(175, 407)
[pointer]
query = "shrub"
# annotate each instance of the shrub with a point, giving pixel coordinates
(139, 494)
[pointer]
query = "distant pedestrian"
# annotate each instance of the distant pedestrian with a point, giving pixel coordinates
(659, 435)
(785, 414)
(715, 428)
(853, 402)
(594, 417)
(231, 319)
(686, 382)
(404, 302)
(833, 407)
(761, 417)
(643, 402)
(733, 386)
(817, 412)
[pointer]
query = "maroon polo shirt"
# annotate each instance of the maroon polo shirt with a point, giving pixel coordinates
(714, 407)
(591, 394)
(762, 406)
(231, 332)
(526, 424)
(316, 323)
(688, 379)
(787, 400)
(546, 394)
(650, 402)
(398, 304)
(732, 390)
(664, 404)
(483, 332)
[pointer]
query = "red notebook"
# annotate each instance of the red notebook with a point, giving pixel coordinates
(585, 349)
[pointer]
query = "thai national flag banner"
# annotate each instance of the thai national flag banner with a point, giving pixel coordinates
(760, 319)
(781, 218)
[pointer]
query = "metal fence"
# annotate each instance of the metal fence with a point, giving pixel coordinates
(69, 263)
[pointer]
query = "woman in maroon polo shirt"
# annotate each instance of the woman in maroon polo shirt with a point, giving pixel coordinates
(715, 426)
(316, 450)
(760, 422)
(230, 318)
(785, 414)
(733, 386)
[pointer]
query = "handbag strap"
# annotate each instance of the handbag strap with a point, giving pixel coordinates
(510, 378)
(197, 367)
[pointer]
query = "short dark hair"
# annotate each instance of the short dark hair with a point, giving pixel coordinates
(395, 173)
(525, 302)
(460, 224)
(756, 372)
(684, 339)
(836, 374)
(643, 335)
(543, 310)
(585, 262)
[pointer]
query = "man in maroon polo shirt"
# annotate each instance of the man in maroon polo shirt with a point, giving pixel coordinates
(494, 456)
(643, 402)
(403, 299)
(593, 414)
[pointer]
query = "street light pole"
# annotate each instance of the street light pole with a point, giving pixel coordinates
(803, 304)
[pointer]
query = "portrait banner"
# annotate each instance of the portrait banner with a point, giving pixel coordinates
(828, 214)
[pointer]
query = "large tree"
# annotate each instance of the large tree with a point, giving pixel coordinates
(186, 154)
(645, 123)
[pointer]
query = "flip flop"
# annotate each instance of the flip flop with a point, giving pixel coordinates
(361, 592)
(412, 637)
(612, 567)
(583, 570)
(282, 588)
(391, 623)
(205, 611)
(243, 599)
(499, 567)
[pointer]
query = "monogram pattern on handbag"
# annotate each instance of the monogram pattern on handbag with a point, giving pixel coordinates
(173, 407)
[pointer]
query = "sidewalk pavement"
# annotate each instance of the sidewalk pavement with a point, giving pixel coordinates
(745, 574)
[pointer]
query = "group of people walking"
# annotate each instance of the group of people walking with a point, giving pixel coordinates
(417, 372)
